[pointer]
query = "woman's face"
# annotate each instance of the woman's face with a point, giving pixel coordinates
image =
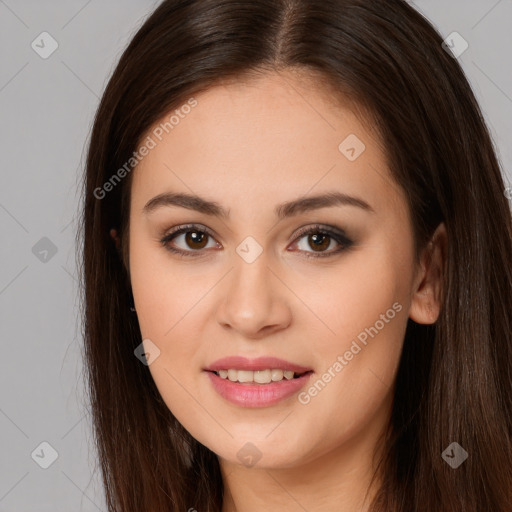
(272, 269)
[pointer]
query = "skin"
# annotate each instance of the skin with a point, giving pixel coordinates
(251, 145)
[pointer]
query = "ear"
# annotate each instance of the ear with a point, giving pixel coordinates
(122, 253)
(428, 289)
(115, 236)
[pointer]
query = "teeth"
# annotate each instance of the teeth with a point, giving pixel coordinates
(245, 376)
(258, 376)
(277, 375)
(262, 376)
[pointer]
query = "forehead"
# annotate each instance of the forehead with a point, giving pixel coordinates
(269, 137)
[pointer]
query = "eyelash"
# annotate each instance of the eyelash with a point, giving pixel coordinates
(344, 242)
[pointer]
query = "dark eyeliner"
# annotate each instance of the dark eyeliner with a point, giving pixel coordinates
(332, 232)
(180, 230)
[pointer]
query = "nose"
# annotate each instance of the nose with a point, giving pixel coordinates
(255, 301)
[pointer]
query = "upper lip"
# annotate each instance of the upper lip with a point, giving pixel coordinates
(260, 363)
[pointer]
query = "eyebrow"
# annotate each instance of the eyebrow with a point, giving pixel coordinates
(281, 211)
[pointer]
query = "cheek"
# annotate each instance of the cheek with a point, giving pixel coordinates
(164, 290)
(364, 304)
(353, 295)
(168, 304)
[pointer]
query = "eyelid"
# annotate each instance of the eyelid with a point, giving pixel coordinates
(323, 228)
(335, 233)
(185, 227)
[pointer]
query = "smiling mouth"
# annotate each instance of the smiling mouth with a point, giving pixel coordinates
(257, 377)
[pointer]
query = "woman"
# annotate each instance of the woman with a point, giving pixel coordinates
(296, 266)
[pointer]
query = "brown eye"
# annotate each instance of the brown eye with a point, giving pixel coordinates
(320, 239)
(319, 242)
(190, 240)
(196, 239)
(187, 240)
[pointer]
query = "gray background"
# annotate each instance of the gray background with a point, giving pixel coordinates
(47, 107)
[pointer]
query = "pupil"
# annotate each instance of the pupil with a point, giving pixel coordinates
(319, 241)
(193, 237)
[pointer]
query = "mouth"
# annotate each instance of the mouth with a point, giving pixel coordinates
(258, 377)
(258, 388)
(259, 382)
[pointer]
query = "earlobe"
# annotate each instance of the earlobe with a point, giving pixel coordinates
(120, 251)
(115, 236)
(428, 292)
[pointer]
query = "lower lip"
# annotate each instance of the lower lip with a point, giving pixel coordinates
(257, 395)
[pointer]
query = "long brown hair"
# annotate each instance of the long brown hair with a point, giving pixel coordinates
(454, 383)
